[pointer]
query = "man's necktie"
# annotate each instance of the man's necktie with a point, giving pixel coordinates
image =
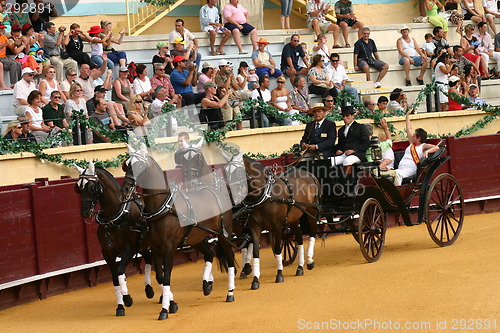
(316, 129)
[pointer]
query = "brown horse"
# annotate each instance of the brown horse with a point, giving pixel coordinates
(276, 203)
(178, 219)
(121, 229)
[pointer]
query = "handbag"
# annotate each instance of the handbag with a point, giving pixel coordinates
(64, 55)
(369, 58)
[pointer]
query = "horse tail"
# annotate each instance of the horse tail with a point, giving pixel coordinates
(221, 254)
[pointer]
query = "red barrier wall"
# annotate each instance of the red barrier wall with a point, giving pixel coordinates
(41, 230)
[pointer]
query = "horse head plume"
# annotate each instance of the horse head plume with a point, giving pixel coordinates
(199, 144)
(80, 170)
(91, 169)
(226, 156)
(185, 145)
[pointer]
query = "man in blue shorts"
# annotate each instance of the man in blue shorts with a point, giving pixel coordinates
(236, 18)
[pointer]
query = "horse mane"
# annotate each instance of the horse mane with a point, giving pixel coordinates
(158, 167)
(254, 163)
(109, 175)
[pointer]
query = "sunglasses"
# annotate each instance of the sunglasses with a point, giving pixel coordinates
(137, 102)
(31, 74)
(328, 100)
(78, 90)
(56, 97)
(281, 82)
(74, 74)
(160, 69)
(184, 60)
(19, 127)
(334, 61)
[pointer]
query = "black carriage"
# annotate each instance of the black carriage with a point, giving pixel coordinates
(362, 206)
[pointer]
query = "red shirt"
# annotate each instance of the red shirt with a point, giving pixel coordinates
(165, 82)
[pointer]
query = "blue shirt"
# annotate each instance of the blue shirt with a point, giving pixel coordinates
(176, 78)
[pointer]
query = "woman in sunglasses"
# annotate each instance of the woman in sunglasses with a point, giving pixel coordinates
(76, 102)
(138, 116)
(14, 131)
(280, 98)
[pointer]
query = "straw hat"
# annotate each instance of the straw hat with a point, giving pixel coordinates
(404, 27)
(317, 107)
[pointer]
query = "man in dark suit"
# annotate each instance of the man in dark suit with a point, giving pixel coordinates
(320, 134)
(353, 140)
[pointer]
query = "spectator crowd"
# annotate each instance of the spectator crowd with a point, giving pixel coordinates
(52, 76)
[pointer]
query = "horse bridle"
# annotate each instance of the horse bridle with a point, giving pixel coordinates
(95, 189)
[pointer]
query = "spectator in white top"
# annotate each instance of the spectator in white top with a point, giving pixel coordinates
(398, 101)
(316, 21)
(22, 89)
(338, 76)
(210, 23)
(486, 48)
(411, 54)
(141, 85)
(187, 37)
(491, 12)
(236, 20)
(263, 94)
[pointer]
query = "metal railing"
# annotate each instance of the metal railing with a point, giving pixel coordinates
(141, 14)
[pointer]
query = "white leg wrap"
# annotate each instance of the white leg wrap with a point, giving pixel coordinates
(147, 274)
(118, 295)
(256, 267)
(300, 255)
(207, 271)
(230, 278)
(167, 296)
(310, 250)
(249, 253)
(122, 280)
(279, 261)
(243, 256)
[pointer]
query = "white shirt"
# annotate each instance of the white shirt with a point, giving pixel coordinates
(188, 37)
(491, 5)
(140, 86)
(21, 91)
(346, 129)
(337, 75)
(266, 95)
(407, 167)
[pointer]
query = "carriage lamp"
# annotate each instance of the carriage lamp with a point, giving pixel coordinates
(376, 152)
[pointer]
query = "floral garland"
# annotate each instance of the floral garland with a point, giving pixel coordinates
(219, 135)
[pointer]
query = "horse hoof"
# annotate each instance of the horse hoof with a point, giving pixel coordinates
(300, 271)
(243, 275)
(230, 298)
(150, 293)
(160, 301)
(128, 301)
(163, 314)
(311, 265)
(247, 269)
(279, 277)
(120, 311)
(255, 283)
(207, 287)
(173, 307)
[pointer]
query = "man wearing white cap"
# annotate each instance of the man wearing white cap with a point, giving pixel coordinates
(473, 97)
(411, 54)
(22, 89)
(226, 81)
(208, 72)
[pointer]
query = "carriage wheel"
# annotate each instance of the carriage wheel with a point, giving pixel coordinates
(371, 230)
(444, 209)
(288, 247)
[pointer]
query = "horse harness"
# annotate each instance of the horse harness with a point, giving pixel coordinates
(266, 196)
